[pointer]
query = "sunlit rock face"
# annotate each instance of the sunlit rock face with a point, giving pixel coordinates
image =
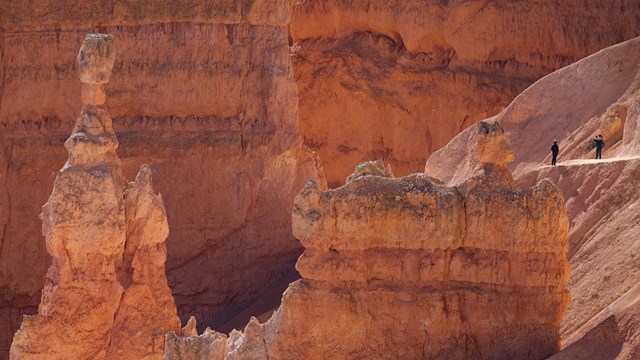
(597, 95)
(410, 268)
(208, 94)
(398, 79)
(106, 294)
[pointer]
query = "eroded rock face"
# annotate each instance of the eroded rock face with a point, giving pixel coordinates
(602, 204)
(481, 147)
(398, 79)
(215, 118)
(409, 268)
(599, 94)
(603, 103)
(96, 58)
(205, 93)
(106, 294)
(492, 147)
(371, 168)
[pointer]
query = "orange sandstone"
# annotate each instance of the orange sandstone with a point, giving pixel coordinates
(207, 94)
(397, 79)
(409, 268)
(106, 294)
(210, 105)
(599, 94)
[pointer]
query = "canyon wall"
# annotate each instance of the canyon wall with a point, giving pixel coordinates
(397, 80)
(598, 95)
(211, 106)
(207, 94)
(410, 268)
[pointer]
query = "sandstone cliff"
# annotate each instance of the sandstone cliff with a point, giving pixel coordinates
(106, 294)
(400, 79)
(599, 94)
(205, 95)
(409, 268)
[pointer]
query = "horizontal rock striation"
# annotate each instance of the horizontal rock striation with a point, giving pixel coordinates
(597, 95)
(215, 119)
(106, 294)
(410, 268)
(207, 94)
(406, 77)
(22, 15)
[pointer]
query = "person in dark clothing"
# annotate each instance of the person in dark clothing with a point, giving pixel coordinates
(599, 140)
(554, 152)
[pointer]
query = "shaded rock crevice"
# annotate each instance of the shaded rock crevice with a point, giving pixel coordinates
(386, 275)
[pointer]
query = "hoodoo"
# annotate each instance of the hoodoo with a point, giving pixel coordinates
(219, 96)
(410, 268)
(597, 95)
(106, 294)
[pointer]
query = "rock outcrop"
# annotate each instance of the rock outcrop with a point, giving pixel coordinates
(370, 168)
(602, 204)
(204, 94)
(106, 294)
(208, 95)
(605, 102)
(408, 268)
(600, 94)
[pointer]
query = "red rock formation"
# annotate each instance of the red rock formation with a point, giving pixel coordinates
(106, 294)
(204, 94)
(599, 94)
(376, 168)
(407, 268)
(397, 80)
(602, 203)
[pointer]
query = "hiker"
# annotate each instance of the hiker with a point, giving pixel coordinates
(554, 152)
(599, 140)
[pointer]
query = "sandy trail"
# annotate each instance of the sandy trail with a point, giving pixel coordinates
(578, 162)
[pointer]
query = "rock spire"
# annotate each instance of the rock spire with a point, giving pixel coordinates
(106, 294)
